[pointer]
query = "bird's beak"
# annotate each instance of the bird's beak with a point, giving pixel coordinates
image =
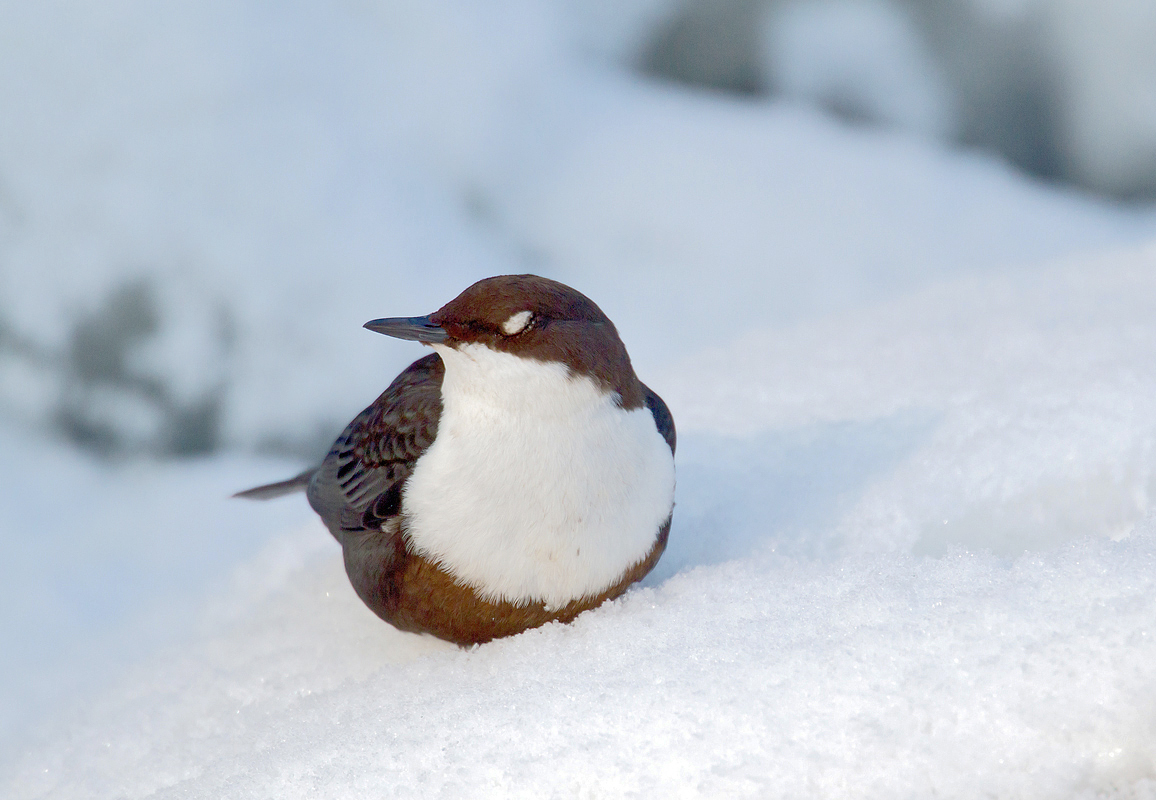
(415, 329)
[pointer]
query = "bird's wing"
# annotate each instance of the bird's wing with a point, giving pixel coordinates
(358, 485)
(662, 417)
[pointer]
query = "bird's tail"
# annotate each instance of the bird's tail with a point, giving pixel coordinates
(270, 490)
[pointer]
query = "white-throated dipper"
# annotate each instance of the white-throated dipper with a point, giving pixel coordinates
(519, 474)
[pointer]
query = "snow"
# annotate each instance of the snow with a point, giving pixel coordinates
(913, 553)
(1020, 398)
(914, 544)
(105, 564)
(1061, 87)
(958, 676)
(862, 57)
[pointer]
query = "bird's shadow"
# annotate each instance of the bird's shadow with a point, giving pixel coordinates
(782, 488)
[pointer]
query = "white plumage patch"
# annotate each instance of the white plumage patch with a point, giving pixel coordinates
(515, 323)
(538, 487)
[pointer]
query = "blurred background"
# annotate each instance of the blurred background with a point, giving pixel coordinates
(201, 202)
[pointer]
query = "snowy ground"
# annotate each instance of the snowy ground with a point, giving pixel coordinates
(913, 555)
(914, 550)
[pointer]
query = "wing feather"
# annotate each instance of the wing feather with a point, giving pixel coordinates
(662, 416)
(358, 485)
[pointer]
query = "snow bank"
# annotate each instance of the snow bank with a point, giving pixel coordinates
(812, 630)
(885, 677)
(1018, 406)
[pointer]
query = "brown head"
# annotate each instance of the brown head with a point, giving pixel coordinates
(531, 317)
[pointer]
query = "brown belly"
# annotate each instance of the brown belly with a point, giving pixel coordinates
(423, 598)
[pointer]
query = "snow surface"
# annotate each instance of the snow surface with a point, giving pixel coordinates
(104, 564)
(914, 550)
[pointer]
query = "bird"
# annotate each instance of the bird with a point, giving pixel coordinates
(520, 474)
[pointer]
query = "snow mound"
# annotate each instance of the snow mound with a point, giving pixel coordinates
(813, 630)
(882, 676)
(1022, 406)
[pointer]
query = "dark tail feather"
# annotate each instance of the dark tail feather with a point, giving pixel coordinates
(270, 490)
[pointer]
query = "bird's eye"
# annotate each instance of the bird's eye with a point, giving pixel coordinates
(516, 323)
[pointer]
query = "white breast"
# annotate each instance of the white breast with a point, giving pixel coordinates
(538, 486)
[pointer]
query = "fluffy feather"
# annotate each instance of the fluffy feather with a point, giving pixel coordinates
(539, 486)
